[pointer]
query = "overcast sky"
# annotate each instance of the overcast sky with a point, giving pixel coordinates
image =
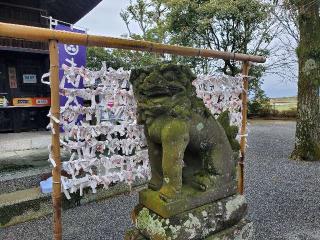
(105, 20)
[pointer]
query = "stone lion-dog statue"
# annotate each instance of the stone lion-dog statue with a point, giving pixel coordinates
(185, 142)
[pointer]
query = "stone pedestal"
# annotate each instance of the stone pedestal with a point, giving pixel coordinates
(189, 198)
(221, 219)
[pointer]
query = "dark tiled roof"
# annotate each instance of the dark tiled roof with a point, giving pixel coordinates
(70, 10)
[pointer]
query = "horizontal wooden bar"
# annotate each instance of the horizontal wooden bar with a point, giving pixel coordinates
(44, 35)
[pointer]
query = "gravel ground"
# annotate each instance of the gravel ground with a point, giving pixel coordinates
(106, 220)
(283, 197)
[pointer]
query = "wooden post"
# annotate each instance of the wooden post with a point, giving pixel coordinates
(55, 143)
(243, 132)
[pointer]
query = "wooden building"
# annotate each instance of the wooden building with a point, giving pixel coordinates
(22, 63)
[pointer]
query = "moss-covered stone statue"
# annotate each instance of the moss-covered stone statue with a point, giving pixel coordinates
(184, 139)
(192, 193)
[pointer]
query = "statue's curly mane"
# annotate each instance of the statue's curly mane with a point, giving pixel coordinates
(167, 89)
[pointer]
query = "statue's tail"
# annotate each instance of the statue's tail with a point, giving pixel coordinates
(231, 131)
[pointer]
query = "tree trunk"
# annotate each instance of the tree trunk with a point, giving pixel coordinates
(307, 141)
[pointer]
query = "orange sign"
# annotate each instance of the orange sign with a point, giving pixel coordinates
(22, 102)
(41, 101)
(31, 102)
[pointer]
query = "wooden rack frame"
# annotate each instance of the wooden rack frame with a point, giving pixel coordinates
(54, 36)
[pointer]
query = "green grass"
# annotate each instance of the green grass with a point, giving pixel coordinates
(284, 104)
(284, 99)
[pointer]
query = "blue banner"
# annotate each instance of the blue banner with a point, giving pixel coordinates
(70, 55)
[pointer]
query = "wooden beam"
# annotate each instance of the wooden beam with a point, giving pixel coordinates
(243, 131)
(55, 142)
(20, 49)
(44, 35)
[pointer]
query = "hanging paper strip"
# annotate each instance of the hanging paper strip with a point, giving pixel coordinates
(222, 93)
(106, 146)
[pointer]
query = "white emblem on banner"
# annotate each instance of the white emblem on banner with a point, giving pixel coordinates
(71, 49)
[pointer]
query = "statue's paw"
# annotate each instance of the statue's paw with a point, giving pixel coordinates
(168, 193)
(155, 184)
(204, 181)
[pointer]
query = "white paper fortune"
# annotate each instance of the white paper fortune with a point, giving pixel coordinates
(105, 143)
(222, 93)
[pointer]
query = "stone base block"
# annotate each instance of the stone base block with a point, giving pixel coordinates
(242, 231)
(187, 200)
(216, 220)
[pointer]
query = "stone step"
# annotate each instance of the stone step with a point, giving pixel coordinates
(23, 141)
(23, 205)
(25, 179)
(21, 160)
(28, 204)
(25, 169)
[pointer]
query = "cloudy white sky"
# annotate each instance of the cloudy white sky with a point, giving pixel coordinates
(105, 20)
